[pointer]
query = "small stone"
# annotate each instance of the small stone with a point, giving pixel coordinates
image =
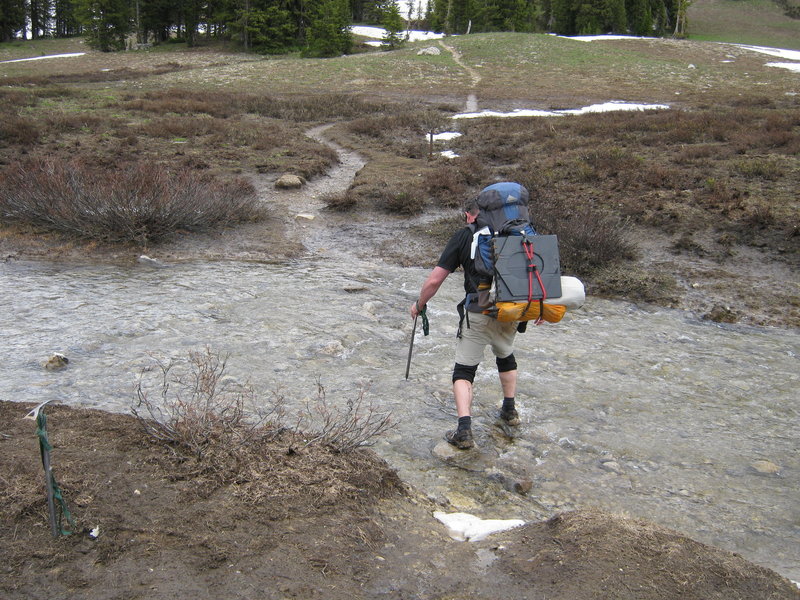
(304, 217)
(56, 362)
(765, 467)
(611, 466)
(429, 51)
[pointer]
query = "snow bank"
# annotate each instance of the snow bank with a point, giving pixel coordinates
(593, 108)
(378, 33)
(43, 57)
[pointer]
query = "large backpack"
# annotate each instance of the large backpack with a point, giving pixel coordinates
(517, 269)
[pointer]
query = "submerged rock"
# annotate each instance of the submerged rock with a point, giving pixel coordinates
(56, 362)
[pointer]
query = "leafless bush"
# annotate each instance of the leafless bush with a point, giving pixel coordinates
(202, 410)
(348, 428)
(141, 203)
(195, 408)
(589, 238)
(19, 130)
(404, 203)
(341, 202)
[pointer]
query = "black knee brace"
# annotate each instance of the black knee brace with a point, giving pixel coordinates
(464, 372)
(509, 363)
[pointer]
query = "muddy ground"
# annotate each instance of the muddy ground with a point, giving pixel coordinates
(305, 523)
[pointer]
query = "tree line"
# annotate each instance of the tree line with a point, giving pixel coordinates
(565, 17)
(321, 27)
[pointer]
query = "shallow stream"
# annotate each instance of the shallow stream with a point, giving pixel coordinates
(648, 412)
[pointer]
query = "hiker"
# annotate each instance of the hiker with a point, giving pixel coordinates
(475, 332)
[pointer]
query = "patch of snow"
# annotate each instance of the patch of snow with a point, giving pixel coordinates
(379, 32)
(463, 526)
(791, 66)
(519, 112)
(779, 52)
(449, 154)
(594, 108)
(594, 38)
(447, 135)
(44, 57)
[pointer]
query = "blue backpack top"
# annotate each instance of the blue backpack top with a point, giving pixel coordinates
(503, 211)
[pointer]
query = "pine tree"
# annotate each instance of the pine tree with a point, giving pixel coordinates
(589, 17)
(106, 23)
(616, 21)
(563, 17)
(39, 15)
(393, 24)
(270, 29)
(12, 19)
(65, 23)
(329, 31)
(640, 21)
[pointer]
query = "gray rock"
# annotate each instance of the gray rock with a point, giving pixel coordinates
(56, 362)
(288, 181)
(611, 466)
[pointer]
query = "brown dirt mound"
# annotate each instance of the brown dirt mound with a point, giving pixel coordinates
(305, 523)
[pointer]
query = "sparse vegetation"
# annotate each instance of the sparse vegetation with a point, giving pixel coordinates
(141, 203)
(723, 162)
(197, 409)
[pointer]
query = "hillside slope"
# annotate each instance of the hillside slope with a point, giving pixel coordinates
(755, 22)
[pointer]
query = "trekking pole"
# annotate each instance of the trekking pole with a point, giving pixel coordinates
(411, 346)
(425, 331)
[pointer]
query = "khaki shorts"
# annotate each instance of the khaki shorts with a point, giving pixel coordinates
(484, 331)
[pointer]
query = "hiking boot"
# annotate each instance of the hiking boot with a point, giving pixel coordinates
(510, 416)
(460, 438)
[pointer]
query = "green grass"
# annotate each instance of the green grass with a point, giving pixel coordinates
(753, 22)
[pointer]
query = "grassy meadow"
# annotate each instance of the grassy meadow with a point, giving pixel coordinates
(718, 170)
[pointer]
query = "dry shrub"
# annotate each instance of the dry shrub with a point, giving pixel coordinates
(342, 202)
(759, 168)
(61, 121)
(200, 410)
(308, 107)
(589, 238)
(404, 203)
(367, 127)
(19, 130)
(446, 184)
(197, 410)
(15, 99)
(142, 202)
(176, 126)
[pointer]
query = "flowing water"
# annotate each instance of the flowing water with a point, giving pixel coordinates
(648, 412)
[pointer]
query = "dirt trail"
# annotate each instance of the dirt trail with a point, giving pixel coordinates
(472, 99)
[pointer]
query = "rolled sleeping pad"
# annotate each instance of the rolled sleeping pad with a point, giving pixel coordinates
(573, 295)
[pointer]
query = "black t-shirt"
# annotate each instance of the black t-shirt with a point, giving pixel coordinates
(457, 254)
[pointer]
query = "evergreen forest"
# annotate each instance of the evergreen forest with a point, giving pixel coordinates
(321, 27)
